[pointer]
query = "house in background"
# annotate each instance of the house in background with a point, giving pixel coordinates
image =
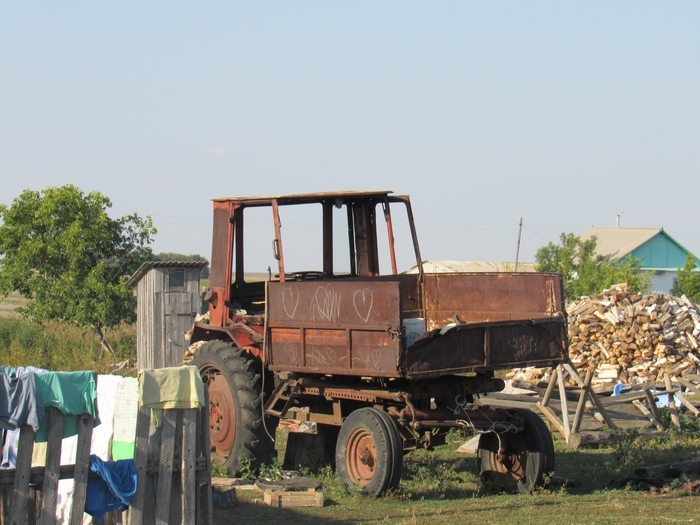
(659, 253)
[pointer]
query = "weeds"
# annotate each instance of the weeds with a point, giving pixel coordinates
(218, 470)
(62, 347)
(625, 447)
(271, 472)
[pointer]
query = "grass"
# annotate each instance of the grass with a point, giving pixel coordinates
(609, 507)
(61, 347)
(443, 487)
(437, 487)
(9, 304)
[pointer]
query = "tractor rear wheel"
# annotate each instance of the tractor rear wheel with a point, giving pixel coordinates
(238, 436)
(517, 461)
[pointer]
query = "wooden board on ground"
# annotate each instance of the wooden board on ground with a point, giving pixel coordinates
(284, 498)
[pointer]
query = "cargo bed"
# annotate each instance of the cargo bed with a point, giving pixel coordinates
(401, 328)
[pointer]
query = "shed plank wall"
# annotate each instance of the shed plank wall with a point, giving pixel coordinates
(155, 326)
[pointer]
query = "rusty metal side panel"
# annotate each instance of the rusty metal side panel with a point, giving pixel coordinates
(335, 327)
(491, 297)
(410, 293)
(488, 346)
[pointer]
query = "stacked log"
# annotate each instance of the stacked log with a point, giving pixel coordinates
(633, 338)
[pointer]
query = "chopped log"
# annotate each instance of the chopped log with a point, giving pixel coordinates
(670, 470)
(632, 337)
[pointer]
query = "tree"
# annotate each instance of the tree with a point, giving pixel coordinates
(586, 273)
(687, 281)
(60, 249)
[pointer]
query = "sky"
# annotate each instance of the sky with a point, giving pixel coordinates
(565, 114)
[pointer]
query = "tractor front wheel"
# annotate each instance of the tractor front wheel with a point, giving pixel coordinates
(368, 454)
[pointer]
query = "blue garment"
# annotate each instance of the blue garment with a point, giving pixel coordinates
(31, 404)
(618, 388)
(112, 489)
(20, 402)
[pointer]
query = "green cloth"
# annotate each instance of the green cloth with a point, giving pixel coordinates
(173, 387)
(122, 450)
(73, 393)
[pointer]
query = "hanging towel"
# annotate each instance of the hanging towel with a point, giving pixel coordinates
(112, 489)
(173, 387)
(125, 411)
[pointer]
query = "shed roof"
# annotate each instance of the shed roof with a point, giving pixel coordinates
(147, 266)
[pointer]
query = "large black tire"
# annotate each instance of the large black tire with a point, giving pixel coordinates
(545, 437)
(238, 436)
(517, 461)
(367, 454)
(397, 446)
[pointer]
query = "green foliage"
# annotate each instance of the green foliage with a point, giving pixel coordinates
(433, 478)
(218, 470)
(625, 446)
(586, 273)
(688, 281)
(271, 472)
(60, 249)
(61, 347)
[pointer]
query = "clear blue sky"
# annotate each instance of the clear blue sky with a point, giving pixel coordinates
(563, 113)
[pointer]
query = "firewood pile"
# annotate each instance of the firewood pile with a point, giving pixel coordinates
(633, 338)
(628, 337)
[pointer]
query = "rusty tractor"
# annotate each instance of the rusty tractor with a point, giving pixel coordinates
(381, 361)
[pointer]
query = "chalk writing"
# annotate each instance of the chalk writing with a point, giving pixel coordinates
(325, 304)
(327, 357)
(372, 360)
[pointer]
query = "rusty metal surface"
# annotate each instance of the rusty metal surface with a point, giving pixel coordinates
(304, 198)
(488, 346)
(491, 297)
(342, 327)
(351, 327)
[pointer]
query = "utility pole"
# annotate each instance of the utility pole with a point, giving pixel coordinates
(517, 250)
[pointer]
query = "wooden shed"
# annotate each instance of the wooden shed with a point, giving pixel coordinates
(168, 299)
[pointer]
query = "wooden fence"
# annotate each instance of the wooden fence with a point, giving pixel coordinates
(172, 464)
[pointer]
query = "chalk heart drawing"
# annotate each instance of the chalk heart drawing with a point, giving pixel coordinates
(332, 357)
(376, 354)
(290, 300)
(291, 350)
(363, 301)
